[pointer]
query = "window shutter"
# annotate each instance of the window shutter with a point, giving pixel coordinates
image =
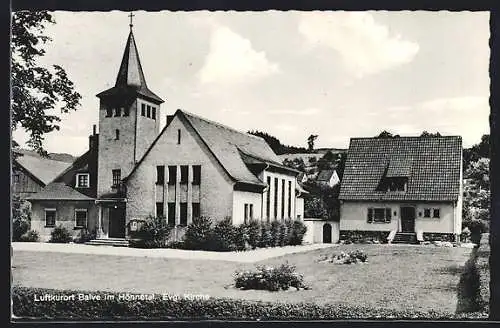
(387, 215)
(370, 215)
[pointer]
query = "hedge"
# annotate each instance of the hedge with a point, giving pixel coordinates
(171, 308)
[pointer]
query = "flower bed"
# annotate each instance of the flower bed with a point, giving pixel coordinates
(270, 278)
(356, 256)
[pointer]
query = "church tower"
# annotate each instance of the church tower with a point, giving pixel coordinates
(129, 121)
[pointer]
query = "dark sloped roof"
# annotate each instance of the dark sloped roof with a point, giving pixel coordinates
(130, 79)
(226, 144)
(43, 169)
(432, 166)
(325, 175)
(58, 191)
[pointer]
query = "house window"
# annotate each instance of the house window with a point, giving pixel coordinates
(246, 214)
(427, 212)
(126, 111)
(143, 109)
(159, 209)
(283, 198)
(179, 136)
(184, 174)
(160, 174)
(116, 177)
(83, 180)
(16, 178)
(148, 111)
(183, 215)
(196, 210)
(171, 214)
(50, 217)
(80, 218)
(435, 213)
(117, 111)
(109, 112)
(268, 198)
(117, 134)
(172, 174)
(196, 174)
(275, 198)
(153, 113)
(379, 215)
(289, 199)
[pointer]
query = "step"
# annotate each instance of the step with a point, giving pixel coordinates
(117, 242)
(405, 238)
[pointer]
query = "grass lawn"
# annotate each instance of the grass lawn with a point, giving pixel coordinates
(397, 276)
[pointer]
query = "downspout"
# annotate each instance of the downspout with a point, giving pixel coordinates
(262, 195)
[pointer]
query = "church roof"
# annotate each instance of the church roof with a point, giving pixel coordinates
(431, 165)
(130, 79)
(227, 146)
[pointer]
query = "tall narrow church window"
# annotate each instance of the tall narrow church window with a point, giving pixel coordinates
(196, 210)
(184, 174)
(196, 174)
(116, 177)
(117, 111)
(172, 174)
(275, 198)
(283, 198)
(178, 136)
(109, 112)
(143, 109)
(183, 214)
(171, 214)
(126, 111)
(117, 134)
(148, 112)
(159, 209)
(160, 174)
(250, 211)
(153, 113)
(268, 198)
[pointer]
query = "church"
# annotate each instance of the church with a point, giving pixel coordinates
(192, 167)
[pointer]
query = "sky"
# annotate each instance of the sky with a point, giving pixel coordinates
(335, 74)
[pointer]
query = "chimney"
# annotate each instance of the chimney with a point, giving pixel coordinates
(94, 129)
(169, 119)
(93, 139)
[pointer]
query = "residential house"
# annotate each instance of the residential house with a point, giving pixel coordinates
(328, 178)
(193, 167)
(403, 185)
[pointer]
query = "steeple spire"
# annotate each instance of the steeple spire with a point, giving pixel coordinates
(130, 80)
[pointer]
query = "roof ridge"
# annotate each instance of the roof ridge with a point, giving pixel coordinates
(220, 125)
(408, 137)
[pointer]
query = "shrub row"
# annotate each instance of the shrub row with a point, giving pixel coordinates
(270, 278)
(178, 308)
(363, 237)
(202, 234)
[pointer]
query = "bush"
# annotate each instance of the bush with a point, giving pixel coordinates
(275, 233)
(469, 287)
(179, 308)
(223, 236)
(265, 235)
(30, 236)
(363, 237)
(153, 233)
(346, 258)
(20, 218)
(198, 234)
(253, 232)
(60, 235)
(297, 233)
(477, 228)
(269, 278)
(85, 236)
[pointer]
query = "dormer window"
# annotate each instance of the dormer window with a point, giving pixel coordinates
(396, 176)
(83, 180)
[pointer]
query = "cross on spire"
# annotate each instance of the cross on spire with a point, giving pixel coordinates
(131, 15)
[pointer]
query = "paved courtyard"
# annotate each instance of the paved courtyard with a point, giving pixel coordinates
(243, 257)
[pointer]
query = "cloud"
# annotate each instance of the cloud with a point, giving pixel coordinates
(303, 112)
(365, 46)
(232, 59)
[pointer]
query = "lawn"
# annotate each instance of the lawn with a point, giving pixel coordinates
(397, 276)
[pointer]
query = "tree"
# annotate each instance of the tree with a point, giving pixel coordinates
(37, 90)
(296, 163)
(310, 142)
(426, 134)
(276, 144)
(327, 162)
(386, 134)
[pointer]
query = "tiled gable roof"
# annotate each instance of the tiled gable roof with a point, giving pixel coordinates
(43, 169)
(432, 166)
